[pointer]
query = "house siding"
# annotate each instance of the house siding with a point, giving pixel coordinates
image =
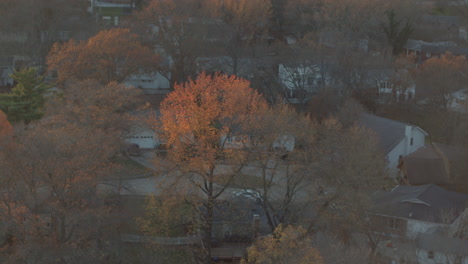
(152, 82)
(414, 227)
(145, 139)
(414, 139)
(438, 258)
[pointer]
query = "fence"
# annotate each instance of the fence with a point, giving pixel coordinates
(160, 240)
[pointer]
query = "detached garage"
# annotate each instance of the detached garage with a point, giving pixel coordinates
(144, 138)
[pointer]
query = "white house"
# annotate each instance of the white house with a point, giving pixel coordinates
(387, 90)
(142, 134)
(409, 211)
(285, 142)
(439, 249)
(110, 11)
(430, 217)
(396, 139)
(150, 83)
(144, 137)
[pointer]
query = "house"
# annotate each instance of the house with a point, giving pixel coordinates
(435, 164)
(409, 211)
(439, 249)
(7, 67)
(150, 83)
(285, 142)
(423, 50)
(144, 137)
(111, 11)
(142, 134)
(459, 102)
(395, 139)
(393, 86)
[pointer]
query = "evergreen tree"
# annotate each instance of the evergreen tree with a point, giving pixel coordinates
(26, 99)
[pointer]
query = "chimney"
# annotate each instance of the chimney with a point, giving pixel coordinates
(256, 225)
(408, 136)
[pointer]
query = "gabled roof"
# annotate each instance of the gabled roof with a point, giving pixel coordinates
(426, 203)
(443, 49)
(432, 164)
(389, 132)
(425, 166)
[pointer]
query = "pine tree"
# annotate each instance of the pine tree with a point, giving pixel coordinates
(26, 100)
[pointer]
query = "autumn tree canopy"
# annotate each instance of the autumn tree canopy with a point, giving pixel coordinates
(111, 55)
(199, 119)
(6, 130)
(51, 207)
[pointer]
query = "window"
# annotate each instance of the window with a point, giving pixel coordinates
(395, 224)
(227, 230)
(411, 142)
(430, 254)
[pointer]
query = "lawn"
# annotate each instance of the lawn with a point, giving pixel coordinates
(127, 168)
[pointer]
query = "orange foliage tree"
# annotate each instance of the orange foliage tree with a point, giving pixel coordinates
(199, 118)
(111, 55)
(6, 130)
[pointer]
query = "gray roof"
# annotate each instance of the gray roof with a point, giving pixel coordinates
(426, 165)
(426, 203)
(447, 20)
(389, 132)
(443, 49)
(417, 45)
(7, 61)
(443, 244)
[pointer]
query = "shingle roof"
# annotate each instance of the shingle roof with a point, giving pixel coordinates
(389, 132)
(427, 203)
(426, 165)
(443, 49)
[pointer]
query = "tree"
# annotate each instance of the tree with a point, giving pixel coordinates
(439, 77)
(111, 55)
(198, 120)
(287, 245)
(349, 164)
(6, 130)
(29, 28)
(50, 177)
(396, 34)
(49, 181)
(247, 23)
(280, 157)
(26, 100)
(176, 28)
